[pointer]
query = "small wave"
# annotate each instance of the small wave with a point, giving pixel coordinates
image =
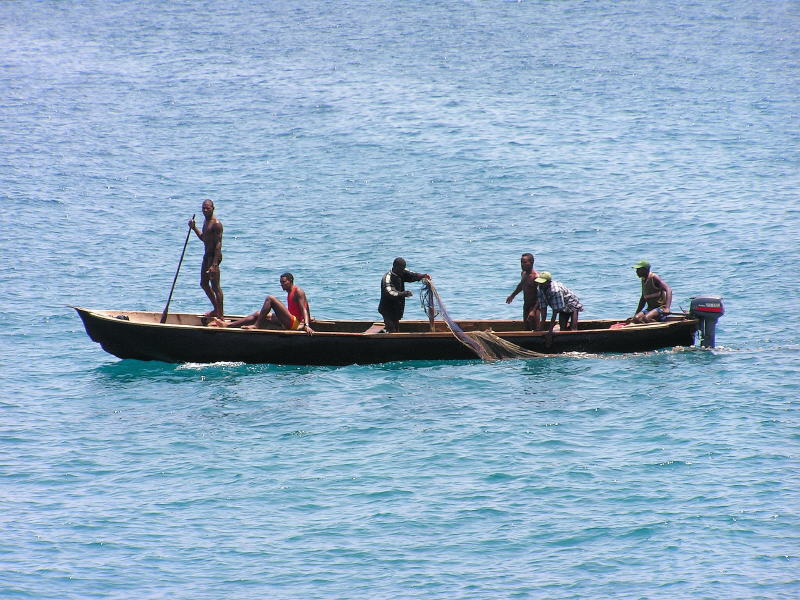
(499, 477)
(298, 433)
(673, 464)
(644, 531)
(200, 366)
(587, 535)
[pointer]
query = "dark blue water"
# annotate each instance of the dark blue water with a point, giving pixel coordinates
(334, 137)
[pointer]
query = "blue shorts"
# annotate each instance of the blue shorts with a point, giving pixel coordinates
(662, 314)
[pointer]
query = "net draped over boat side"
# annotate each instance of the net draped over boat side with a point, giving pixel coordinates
(484, 344)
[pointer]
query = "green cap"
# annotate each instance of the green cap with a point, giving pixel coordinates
(543, 277)
(642, 264)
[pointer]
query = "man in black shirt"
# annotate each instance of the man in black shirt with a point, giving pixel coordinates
(394, 294)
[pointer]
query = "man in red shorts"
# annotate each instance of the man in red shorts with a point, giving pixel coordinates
(294, 315)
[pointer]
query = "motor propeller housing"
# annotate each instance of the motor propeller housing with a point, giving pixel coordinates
(708, 309)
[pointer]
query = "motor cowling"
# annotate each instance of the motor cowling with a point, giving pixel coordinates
(708, 310)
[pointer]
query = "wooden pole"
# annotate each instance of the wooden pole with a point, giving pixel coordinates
(178, 270)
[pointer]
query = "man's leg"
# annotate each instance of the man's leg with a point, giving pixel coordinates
(282, 314)
(533, 320)
(391, 323)
(205, 284)
(243, 322)
(216, 291)
(652, 316)
(528, 318)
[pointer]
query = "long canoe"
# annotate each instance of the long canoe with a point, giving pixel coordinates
(185, 338)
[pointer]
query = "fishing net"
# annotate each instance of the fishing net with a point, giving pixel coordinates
(485, 344)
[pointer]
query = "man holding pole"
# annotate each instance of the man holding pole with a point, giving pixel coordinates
(211, 236)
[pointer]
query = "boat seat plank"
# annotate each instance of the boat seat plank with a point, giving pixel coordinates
(375, 328)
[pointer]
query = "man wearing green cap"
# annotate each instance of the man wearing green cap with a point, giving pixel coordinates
(561, 299)
(656, 295)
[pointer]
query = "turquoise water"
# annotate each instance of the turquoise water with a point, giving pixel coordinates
(334, 137)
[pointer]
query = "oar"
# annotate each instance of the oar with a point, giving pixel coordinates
(178, 270)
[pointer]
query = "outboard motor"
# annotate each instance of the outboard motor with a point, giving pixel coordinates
(708, 309)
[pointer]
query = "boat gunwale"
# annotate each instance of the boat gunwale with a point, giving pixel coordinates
(106, 314)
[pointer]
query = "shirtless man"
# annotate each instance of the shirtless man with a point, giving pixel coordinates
(527, 285)
(211, 236)
(295, 315)
(656, 294)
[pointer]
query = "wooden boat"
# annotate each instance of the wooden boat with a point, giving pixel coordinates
(185, 338)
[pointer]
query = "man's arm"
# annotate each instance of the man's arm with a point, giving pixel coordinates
(301, 297)
(658, 288)
(667, 291)
(216, 229)
(552, 322)
(516, 291)
(390, 288)
(193, 227)
(640, 306)
(410, 276)
(543, 306)
(557, 304)
(542, 301)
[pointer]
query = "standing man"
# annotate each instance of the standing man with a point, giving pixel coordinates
(394, 294)
(295, 315)
(211, 236)
(564, 303)
(529, 287)
(656, 294)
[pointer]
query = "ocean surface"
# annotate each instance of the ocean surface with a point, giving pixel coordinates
(332, 138)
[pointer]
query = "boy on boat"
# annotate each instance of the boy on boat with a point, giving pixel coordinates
(295, 315)
(656, 294)
(211, 236)
(528, 286)
(394, 294)
(564, 303)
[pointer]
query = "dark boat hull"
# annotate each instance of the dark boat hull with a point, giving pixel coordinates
(183, 338)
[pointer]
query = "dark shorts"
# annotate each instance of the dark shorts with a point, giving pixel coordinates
(207, 258)
(204, 275)
(392, 315)
(565, 313)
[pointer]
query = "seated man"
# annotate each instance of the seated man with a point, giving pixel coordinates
(561, 299)
(296, 316)
(656, 294)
